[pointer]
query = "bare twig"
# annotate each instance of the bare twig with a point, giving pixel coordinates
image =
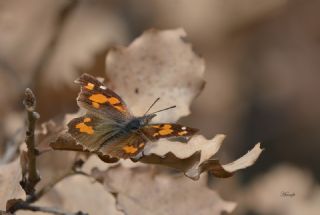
(33, 177)
(26, 206)
(75, 170)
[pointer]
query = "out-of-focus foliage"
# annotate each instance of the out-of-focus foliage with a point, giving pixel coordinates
(10, 176)
(262, 83)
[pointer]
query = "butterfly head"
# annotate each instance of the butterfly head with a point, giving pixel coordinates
(139, 122)
(144, 120)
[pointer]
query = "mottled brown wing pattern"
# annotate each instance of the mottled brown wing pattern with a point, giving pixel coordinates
(97, 98)
(167, 130)
(90, 131)
(124, 146)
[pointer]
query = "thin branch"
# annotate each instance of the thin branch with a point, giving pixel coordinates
(33, 177)
(26, 206)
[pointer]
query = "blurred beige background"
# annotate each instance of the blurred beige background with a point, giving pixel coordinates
(262, 79)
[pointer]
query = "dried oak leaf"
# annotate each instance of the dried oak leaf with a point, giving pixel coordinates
(146, 194)
(161, 64)
(79, 193)
(157, 64)
(183, 156)
(74, 193)
(10, 176)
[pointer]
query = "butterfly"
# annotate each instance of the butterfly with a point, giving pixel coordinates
(108, 126)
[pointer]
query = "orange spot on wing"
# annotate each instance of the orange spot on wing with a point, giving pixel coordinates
(113, 100)
(141, 145)
(120, 108)
(87, 119)
(85, 128)
(89, 86)
(182, 133)
(95, 104)
(166, 126)
(129, 149)
(165, 131)
(98, 98)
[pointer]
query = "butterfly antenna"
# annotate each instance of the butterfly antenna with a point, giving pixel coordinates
(165, 109)
(151, 106)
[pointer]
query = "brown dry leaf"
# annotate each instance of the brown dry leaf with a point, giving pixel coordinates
(79, 193)
(206, 148)
(77, 190)
(10, 176)
(157, 64)
(159, 194)
(162, 64)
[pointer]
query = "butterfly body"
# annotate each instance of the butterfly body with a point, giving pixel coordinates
(138, 123)
(110, 128)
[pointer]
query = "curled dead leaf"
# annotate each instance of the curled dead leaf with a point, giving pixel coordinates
(195, 157)
(162, 64)
(78, 193)
(10, 176)
(72, 190)
(162, 193)
(157, 64)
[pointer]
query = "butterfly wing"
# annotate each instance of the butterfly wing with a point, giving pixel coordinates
(167, 130)
(91, 131)
(124, 145)
(98, 99)
(101, 126)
